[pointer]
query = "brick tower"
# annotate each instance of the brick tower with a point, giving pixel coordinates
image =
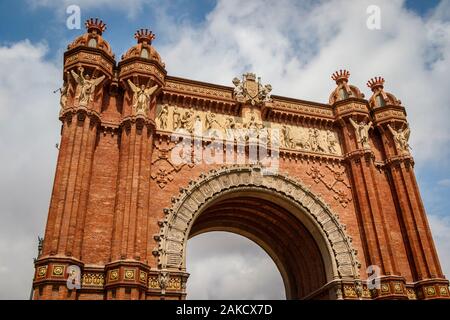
(342, 203)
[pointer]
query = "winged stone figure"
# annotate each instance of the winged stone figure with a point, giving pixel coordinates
(86, 86)
(362, 132)
(401, 138)
(141, 97)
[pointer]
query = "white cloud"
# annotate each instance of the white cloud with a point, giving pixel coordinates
(440, 227)
(227, 266)
(296, 46)
(29, 130)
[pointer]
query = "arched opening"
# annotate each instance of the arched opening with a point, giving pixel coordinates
(296, 228)
(246, 271)
(92, 43)
(271, 223)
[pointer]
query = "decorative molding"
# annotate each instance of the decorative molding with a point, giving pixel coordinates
(58, 270)
(164, 167)
(41, 272)
(302, 108)
(201, 90)
(340, 194)
(93, 280)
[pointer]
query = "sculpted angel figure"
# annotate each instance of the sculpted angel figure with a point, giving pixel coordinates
(362, 132)
(63, 90)
(401, 138)
(264, 94)
(238, 87)
(141, 97)
(163, 117)
(86, 86)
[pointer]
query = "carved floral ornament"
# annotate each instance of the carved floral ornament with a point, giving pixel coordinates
(176, 226)
(338, 185)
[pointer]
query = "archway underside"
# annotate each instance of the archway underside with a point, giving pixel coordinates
(277, 231)
(296, 228)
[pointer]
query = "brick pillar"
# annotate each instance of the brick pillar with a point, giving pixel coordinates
(368, 200)
(391, 123)
(71, 185)
(422, 255)
(132, 204)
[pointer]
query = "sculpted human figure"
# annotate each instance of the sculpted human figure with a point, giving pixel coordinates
(331, 142)
(141, 97)
(238, 87)
(176, 118)
(265, 93)
(163, 117)
(401, 138)
(211, 122)
(187, 121)
(63, 98)
(86, 86)
(362, 132)
(288, 140)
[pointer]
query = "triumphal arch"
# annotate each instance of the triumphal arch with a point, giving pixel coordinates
(148, 160)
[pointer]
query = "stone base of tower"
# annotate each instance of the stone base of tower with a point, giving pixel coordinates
(132, 280)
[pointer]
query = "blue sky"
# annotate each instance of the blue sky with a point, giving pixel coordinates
(295, 46)
(42, 22)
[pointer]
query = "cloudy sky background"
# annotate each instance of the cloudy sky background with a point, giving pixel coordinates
(294, 45)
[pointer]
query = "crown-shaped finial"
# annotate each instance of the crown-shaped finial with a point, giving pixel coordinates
(144, 35)
(340, 76)
(375, 83)
(249, 76)
(95, 24)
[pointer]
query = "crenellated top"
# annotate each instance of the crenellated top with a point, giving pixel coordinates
(144, 49)
(343, 90)
(93, 37)
(380, 98)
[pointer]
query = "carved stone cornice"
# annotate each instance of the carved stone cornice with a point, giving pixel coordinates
(389, 113)
(69, 112)
(358, 154)
(137, 66)
(287, 110)
(138, 120)
(198, 94)
(351, 107)
(91, 57)
(394, 161)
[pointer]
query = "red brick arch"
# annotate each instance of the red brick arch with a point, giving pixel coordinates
(296, 228)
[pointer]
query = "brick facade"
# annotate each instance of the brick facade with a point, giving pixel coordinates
(117, 191)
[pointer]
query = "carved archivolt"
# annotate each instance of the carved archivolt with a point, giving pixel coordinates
(192, 200)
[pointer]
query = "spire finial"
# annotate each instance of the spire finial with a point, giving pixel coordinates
(340, 76)
(376, 83)
(144, 35)
(95, 24)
